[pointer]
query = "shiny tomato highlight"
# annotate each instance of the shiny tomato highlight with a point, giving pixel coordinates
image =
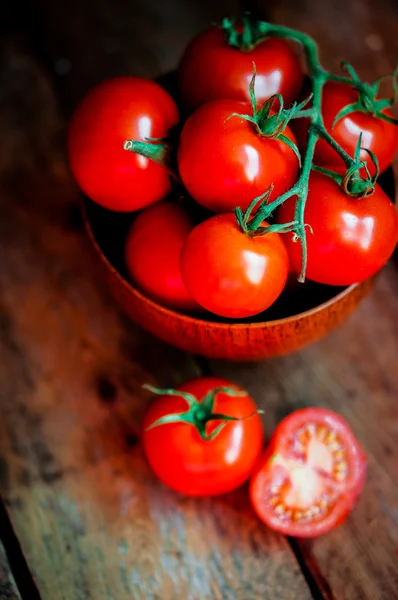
(225, 163)
(211, 69)
(230, 273)
(117, 110)
(352, 238)
(187, 463)
(377, 135)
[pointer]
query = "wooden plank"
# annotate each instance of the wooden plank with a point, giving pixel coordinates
(92, 520)
(8, 587)
(353, 371)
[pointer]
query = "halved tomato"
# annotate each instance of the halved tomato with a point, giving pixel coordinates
(310, 476)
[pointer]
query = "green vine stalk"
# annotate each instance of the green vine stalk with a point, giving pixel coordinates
(246, 38)
(267, 122)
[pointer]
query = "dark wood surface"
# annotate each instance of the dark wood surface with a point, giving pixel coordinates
(8, 588)
(84, 513)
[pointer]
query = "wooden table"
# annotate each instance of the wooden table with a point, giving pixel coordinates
(83, 518)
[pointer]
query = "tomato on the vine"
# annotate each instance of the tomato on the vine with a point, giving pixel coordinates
(351, 238)
(225, 163)
(231, 273)
(115, 111)
(212, 69)
(193, 453)
(153, 252)
(310, 475)
(378, 136)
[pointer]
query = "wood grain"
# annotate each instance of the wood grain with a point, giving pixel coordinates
(354, 370)
(92, 520)
(8, 588)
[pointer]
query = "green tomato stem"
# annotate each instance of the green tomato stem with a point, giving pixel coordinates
(317, 130)
(199, 410)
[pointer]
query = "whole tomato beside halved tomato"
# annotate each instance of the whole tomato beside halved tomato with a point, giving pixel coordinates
(231, 273)
(378, 135)
(310, 476)
(117, 110)
(351, 238)
(153, 253)
(208, 442)
(225, 163)
(212, 69)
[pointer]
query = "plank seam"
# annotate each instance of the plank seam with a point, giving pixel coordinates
(16, 559)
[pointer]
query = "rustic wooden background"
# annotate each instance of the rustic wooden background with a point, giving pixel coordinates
(82, 516)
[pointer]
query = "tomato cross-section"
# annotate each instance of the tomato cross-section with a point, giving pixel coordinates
(310, 475)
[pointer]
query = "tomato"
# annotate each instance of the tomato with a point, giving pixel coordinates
(115, 111)
(310, 475)
(377, 135)
(230, 273)
(352, 238)
(153, 251)
(225, 163)
(212, 69)
(189, 464)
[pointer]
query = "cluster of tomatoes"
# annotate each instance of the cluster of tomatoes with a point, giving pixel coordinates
(206, 438)
(223, 161)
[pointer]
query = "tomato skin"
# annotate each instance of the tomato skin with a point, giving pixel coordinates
(117, 110)
(153, 252)
(185, 462)
(230, 273)
(352, 238)
(224, 163)
(277, 467)
(377, 135)
(211, 69)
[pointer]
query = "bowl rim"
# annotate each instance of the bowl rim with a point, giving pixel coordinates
(192, 319)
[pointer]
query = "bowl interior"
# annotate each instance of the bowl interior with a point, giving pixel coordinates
(110, 230)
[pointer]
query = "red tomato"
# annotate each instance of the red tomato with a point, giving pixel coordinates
(115, 111)
(377, 135)
(225, 163)
(189, 464)
(310, 476)
(352, 238)
(212, 69)
(230, 273)
(153, 252)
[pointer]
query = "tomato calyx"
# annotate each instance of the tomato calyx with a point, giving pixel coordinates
(352, 183)
(273, 125)
(244, 36)
(367, 101)
(251, 222)
(200, 412)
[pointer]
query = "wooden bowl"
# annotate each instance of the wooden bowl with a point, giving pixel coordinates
(302, 315)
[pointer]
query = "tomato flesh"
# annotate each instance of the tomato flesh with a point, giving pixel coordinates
(311, 474)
